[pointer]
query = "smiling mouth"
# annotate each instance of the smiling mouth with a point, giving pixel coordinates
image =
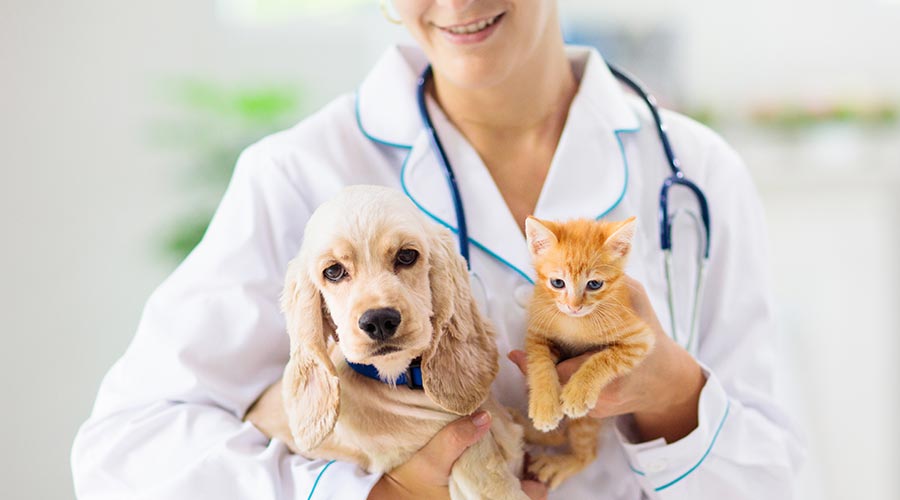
(473, 27)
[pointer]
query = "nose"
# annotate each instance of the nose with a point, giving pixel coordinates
(380, 324)
(573, 310)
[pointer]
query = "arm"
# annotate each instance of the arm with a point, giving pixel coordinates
(728, 438)
(167, 420)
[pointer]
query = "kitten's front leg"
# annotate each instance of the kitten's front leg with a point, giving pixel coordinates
(543, 383)
(581, 392)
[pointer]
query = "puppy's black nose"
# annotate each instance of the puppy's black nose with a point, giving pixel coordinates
(380, 324)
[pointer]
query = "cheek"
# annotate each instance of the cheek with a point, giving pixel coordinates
(418, 293)
(411, 12)
(335, 300)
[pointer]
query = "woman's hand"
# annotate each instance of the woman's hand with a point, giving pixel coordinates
(662, 392)
(426, 474)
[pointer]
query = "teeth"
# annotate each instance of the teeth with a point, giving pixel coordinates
(472, 28)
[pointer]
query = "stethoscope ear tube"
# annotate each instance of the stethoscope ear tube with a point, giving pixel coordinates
(438, 148)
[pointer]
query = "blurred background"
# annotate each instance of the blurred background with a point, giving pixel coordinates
(121, 122)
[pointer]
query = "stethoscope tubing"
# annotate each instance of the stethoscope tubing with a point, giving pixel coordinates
(677, 178)
(436, 145)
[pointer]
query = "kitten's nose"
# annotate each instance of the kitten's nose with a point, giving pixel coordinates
(380, 324)
(573, 310)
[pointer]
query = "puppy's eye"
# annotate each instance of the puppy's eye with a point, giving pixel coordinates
(557, 283)
(594, 285)
(334, 273)
(407, 257)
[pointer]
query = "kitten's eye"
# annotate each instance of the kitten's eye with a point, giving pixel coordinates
(334, 273)
(594, 285)
(407, 257)
(557, 283)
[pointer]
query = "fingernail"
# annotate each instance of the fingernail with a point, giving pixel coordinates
(481, 418)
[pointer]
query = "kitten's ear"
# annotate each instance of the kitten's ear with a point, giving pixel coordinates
(540, 238)
(618, 244)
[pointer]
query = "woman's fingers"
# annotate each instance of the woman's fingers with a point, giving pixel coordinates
(534, 489)
(518, 358)
(433, 462)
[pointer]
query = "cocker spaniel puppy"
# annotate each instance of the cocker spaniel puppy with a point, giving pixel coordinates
(377, 283)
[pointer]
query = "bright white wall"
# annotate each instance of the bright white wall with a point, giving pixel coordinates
(834, 242)
(85, 195)
(745, 52)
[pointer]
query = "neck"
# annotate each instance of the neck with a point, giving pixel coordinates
(546, 83)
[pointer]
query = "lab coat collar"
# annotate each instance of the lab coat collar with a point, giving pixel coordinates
(386, 110)
(588, 175)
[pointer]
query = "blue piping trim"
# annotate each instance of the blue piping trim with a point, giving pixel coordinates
(692, 469)
(313, 490)
(453, 229)
(370, 137)
(639, 473)
(625, 163)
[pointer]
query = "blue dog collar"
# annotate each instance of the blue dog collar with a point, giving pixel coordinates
(412, 378)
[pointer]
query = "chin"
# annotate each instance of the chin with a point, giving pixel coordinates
(391, 366)
(473, 72)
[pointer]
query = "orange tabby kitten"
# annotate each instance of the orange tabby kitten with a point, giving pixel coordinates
(580, 303)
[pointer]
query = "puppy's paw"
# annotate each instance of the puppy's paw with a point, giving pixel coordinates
(545, 412)
(578, 399)
(552, 470)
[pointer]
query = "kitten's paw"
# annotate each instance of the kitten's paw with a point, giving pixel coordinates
(552, 470)
(545, 412)
(578, 400)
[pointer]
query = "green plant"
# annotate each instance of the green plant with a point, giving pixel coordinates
(211, 124)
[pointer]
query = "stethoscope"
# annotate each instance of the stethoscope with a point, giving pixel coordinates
(701, 221)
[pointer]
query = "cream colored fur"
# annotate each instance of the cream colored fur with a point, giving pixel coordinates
(335, 413)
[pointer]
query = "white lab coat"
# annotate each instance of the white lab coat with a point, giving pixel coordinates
(167, 420)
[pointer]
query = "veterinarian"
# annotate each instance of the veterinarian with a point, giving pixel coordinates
(531, 127)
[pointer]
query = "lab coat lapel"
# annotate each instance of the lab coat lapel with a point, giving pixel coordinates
(589, 173)
(491, 226)
(386, 110)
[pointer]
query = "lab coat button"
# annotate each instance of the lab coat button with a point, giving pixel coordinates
(657, 466)
(522, 295)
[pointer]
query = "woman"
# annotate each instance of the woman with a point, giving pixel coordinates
(530, 127)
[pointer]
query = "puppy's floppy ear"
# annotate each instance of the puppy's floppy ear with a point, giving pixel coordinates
(310, 385)
(461, 362)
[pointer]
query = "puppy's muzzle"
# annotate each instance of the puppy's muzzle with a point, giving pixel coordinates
(380, 324)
